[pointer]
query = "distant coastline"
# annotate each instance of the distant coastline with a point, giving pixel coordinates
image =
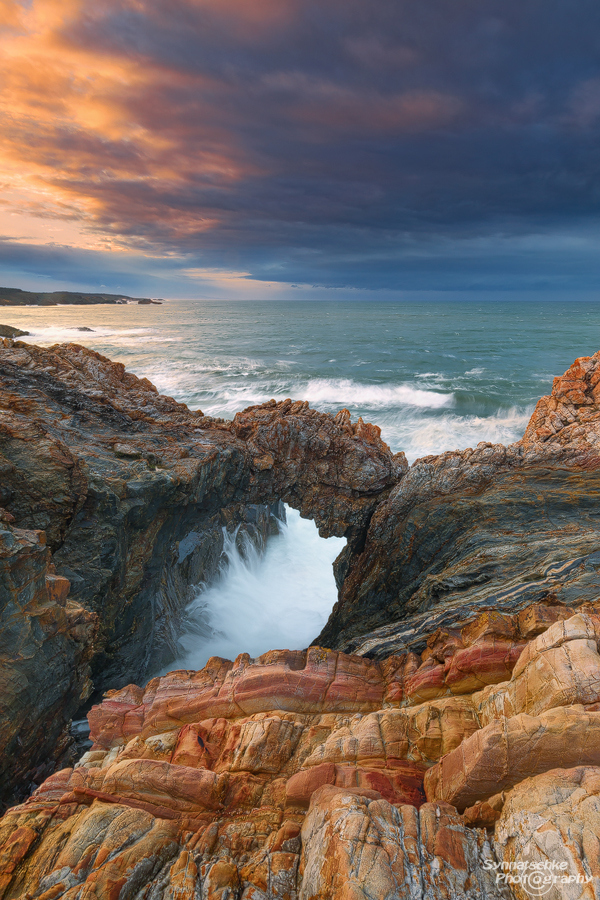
(17, 297)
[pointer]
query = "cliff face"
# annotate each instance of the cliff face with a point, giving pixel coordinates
(133, 489)
(46, 642)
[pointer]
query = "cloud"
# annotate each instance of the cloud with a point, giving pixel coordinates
(317, 142)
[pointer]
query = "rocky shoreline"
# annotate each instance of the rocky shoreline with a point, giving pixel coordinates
(443, 724)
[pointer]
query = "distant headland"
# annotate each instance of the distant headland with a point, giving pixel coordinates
(17, 297)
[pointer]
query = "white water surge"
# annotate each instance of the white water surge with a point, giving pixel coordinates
(278, 600)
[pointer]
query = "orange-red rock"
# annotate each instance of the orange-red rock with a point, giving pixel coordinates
(507, 751)
(355, 848)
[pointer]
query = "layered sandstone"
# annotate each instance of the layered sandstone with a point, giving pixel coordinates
(399, 770)
(316, 775)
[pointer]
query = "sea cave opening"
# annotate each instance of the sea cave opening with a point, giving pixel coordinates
(260, 600)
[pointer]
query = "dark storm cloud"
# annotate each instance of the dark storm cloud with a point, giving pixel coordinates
(342, 143)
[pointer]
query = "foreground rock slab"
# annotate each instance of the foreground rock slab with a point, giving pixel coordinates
(355, 847)
(311, 775)
(554, 817)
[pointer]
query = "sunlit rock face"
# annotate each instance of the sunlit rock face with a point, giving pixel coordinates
(316, 774)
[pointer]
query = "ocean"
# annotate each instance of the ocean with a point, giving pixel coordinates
(434, 376)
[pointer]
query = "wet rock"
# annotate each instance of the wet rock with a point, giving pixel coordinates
(467, 530)
(7, 331)
(134, 489)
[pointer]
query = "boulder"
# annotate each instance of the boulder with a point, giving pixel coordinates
(508, 751)
(7, 331)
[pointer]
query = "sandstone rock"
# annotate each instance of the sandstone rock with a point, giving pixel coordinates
(570, 415)
(560, 667)
(423, 733)
(295, 681)
(553, 818)
(355, 846)
(200, 784)
(507, 751)
(103, 847)
(228, 768)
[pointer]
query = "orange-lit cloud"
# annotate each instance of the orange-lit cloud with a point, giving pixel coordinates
(77, 125)
(277, 138)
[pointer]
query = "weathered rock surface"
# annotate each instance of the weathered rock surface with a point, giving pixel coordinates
(553, 818)
(356, 847)
(302, 774)
(133, 489)
(309, 775)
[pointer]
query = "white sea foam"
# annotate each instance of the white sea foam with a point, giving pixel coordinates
(258, 603)
(327, 394)
(419, 436)
(344, 391)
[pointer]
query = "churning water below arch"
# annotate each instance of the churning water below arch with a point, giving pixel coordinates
(279, 599)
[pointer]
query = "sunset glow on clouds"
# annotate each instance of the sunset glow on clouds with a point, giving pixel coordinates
(419, 146)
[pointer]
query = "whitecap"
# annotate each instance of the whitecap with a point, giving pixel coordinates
(346, 392)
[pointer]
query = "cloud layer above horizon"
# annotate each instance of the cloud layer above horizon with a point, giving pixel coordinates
(439, 145)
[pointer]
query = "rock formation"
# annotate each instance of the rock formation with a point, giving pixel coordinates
(133, 490)
(457, 742)
(46, 642)
(7, 331)
(315, 774)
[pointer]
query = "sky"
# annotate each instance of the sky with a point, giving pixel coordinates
(301, 148)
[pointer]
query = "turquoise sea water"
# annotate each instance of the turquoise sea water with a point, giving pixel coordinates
(434, 376)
